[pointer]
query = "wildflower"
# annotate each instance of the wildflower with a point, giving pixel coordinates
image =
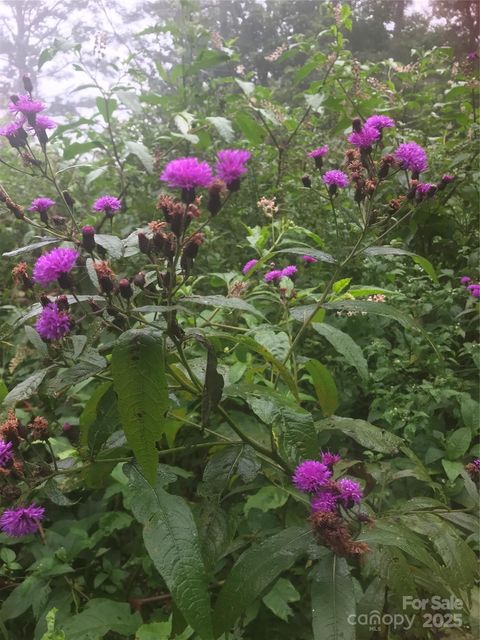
(231, 167)
(21, 276)
(350, 492)
(324, 501)
(15, 134)
(44, 122)
(378, 298)
(309, 259)
(332, 532)
(187, 173)
(445, 179)
(88, 237)
(39, 428)
(268, 206)
(11, 429)
(474, 290)
(411, 156)
(306, 181)
(53, 323)
(289, 271)
(21, 521)
(310, 476)
(26, 106)
(105, 276)
(248, 266)
(215, 192)
(465, 280)
(318, 154)
(329, 459)
(6, 453)
(425, 190)
(275, 55)
(273, 275)
(473, 469)
(108, 204)
(335, 179)
(41, 206)
(472, 56)
(125, 288)
(379, 122)
(365, 138)
(54, 265)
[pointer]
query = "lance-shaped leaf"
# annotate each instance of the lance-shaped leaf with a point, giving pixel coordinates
(333, 600)
(172, 542)
(315, 253)
(254, 571)
(345, 345)
(396, 251)
(138, 370)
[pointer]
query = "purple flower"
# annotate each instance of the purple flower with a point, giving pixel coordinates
(447, 178)
(21, 521)
(310, 476)
(15, 134)
(309, 259)
(350, 492)
(53, 323)
(329, 459)
(379, 122)
(474, 290)
(476, 463)
(319, 152)
(289, 271)
(472, 55)
(108, 204)
(249, 265)
(410, 155)
(465, 280)
(425, 189)
(336, 178)
(364, 138)
(231, 165)
(54, 264)
(6, 453)
(41, 205)
(276, 274)
(324, 501)
(25, 105)
(187, 173)
(44, 122)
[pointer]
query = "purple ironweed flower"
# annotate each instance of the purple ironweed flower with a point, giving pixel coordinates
(425, 190)
(231, 167)
(472, 55)
(465, 280)
(350, 492)
(319, 152)
(335, 178)
(474, 290)
(88, 237)
(53, 265)
(289, 271)
(379, 122)
(309, 259)
(410, 155)
(249, 265)
(324, 501)
(187, 173)
(6, 452)
(270, 276)
(476, 463)
(25, 105)
(44, 122)
(53, 323)
(15, 134)
(364, 138)
(41, 205)
(108, 204)
(21, 521)
(329, 459)
(447, 178)
(310, 476)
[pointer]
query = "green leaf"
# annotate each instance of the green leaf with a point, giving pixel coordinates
(266, 499)
(366, 434)
(154, 631)
(27, 388)
(112, 244)
(143, 154)
(254, 571)
(30, 247)
(452, 469)
(171, 539)
(315, 101)
(315, 253)
(222, 302)
(106, 107)
(395, 251)
(222, 466)
(345, 345)
(375, 308)
(130, 100)
(324, 385)
(138, 370)
(458, 442)
(247, 87)
(250, 128)
(76, 148)
(333, 600)
(278, 598)
(99, 617)
(21, 598)
(223, 126)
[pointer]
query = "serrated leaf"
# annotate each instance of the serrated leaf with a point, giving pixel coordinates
(396, 251)
(223, 126)
(30, 247)
(171, 539)
(99, 617)
(229, 461)
(254, 571)
(324, 385)
(345, 345)
(333, 600)
(138, 371)
(366, 434)
(142, 152)
(458, 442)
(278, 598)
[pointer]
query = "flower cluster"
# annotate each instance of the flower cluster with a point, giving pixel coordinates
(51, 266)
(412, 157)
(21, 521)
(331, 501)
(472, 287)
(54, 322)
(274, 275)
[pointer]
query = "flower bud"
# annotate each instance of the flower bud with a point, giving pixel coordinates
(88, 238)
(139, 280)
(125, 288)
(27, 83)
(188, 195)
(44, 300)
(357, 125)
(307, 182)
(143, 243)
(214, 202)
(62, 303)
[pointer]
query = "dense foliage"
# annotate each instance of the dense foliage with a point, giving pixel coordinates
(239, 347)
